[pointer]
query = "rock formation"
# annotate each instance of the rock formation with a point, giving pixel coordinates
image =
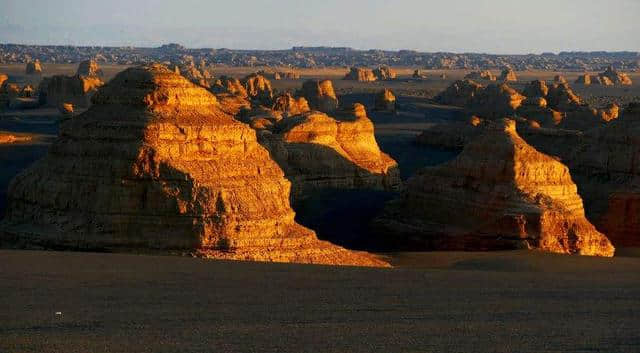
(536, 88)
(154, 164)
(226, 84)
(602, 80)
(584, 79)
(59, 89)
(385, 73)
(289, 105)
(609, 113)
(360, 74)
(503, 194)
(496, 100)
(289, 75)
(480, 75)
(258, 88)
(317, 151)
(508, 75)
(419, 74)
(607, 169)
(89, 68)
(385, 100)
(459, 93)
(66, 109)
(3, 78)
(559, 79)
(320, 95)
(616, 77)
(33, 68)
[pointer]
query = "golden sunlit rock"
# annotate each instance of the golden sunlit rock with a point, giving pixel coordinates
(320, 95)
(360, 74)
(385, 100)
(155, 164)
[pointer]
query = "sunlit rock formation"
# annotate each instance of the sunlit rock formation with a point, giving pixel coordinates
(258, 88)
(616, 77)
(480, 75)
(289, 105)
(320, 95)
(317, 151)
(59, 89)
(459, 93)
(499, 193)
(33, 68)
(508, 75)
(155, 164)
(360, 74)
(419, 74)
(385, 100)
(385, 73)
(89, 68)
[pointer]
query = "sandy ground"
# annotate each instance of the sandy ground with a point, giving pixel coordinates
(444, 302)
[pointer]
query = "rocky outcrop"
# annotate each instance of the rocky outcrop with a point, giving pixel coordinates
(459, 93)
(602, 80)
(154, 164)
(385, 73)
(289, 105)
(480, 75)
(385, 100)
(584, 79)
(33, 68)
(508, 75)
(496, 100)
(503, 194)
(226, 84)
(317, 151)
(536, 88)
(607, 169)
(320, 95)
(360, 74)
(66, 109)
(616, 77)
(258, 88)
(59, 89)
(559, 79)
(610, 112)
(3, 78)
(289, 75)
(89, 68)
(420, 74)
(6, 138)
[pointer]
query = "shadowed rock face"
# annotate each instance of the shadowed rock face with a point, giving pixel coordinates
(496, 100)
(584, 80)
(460, 93)
(361, 74)
(607, 169)
(559, 79)
(77, 90)
(226, 84)
(33, 68)
(317, 151)
(385, 100)
(320, 95)
(503, 194)
(3, 78)
(89, 68)
(155, 164)
(616, 77)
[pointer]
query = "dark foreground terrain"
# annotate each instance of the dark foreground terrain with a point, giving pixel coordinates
(433, 302)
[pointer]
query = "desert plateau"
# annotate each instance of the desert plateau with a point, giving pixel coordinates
(173, 186)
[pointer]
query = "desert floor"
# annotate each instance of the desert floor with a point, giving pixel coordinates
(431, 302)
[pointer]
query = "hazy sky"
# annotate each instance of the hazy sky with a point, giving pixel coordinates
(498, 26)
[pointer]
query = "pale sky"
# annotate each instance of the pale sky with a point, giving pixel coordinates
(498, 26)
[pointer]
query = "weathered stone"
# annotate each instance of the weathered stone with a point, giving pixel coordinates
(385, 100)
(320, 95)
(360, 74)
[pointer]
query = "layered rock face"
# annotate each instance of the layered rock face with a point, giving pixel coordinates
(508, 75)
(320, 95)
(76, 90)
(154, 164)
(360, 74)
(607, 169)
(503, 194)
(289, 105)
(230, 85)
(480, 75)
(385, 73)
(33, 68)
(317, 151)
(385, 100)
(89, 68)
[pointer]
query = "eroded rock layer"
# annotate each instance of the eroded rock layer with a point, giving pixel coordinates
(155, 164)
(499, 193)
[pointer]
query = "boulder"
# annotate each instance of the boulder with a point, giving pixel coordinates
(155, 165)
(503, 194)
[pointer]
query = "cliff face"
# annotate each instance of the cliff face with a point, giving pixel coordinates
(502, 193)
(155, 164)
(320, 95)
(317, 151)
(76, 90)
